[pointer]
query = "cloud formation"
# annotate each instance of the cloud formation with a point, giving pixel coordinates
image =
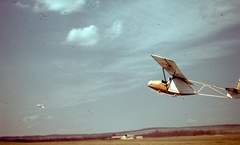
(115, 30)
(21, 5)
(48, 117)
(31, 118)
(89, 36)
(83, 36)
(191, 120)
(61, 6)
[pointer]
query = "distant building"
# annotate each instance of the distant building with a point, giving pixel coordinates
(116, 137)
(127, 137)
(139, 137)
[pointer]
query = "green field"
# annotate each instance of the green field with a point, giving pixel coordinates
(185, 140)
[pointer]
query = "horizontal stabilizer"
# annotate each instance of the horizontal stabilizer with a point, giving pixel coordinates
(233, 95)
(234, 92)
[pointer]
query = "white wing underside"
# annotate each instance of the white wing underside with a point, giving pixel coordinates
(179, 86)
(171, 67)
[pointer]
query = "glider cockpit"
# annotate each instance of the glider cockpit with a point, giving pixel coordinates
(158, 85)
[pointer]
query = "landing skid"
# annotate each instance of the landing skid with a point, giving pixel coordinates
(175, 95)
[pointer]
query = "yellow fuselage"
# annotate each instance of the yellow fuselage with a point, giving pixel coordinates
(159, 86)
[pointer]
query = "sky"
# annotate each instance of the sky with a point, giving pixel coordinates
(89, 63)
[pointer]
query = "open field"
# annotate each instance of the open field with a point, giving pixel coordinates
(185, 140)
(198, 135)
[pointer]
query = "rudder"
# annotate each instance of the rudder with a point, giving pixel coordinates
(238, 86)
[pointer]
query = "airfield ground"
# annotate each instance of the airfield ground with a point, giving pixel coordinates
(231, 139)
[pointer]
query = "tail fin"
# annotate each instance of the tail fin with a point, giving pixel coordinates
(238, 86)
(234, 92)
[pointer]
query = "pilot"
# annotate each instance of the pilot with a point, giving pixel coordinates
(164, 82)
(169, 81)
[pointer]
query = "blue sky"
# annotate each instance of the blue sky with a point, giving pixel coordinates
(89, 62)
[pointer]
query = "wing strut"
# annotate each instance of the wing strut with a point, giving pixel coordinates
(214, 88)
(164, 75)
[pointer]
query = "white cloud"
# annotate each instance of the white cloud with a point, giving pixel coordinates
(191, 120)
(32, 125)
(31, 118)
(93, 4)
(89, 35)
(115, 30)
(22, 5)
(61, 6)
(83, 37)
(48, 117)
(224, 7)
(31, 121)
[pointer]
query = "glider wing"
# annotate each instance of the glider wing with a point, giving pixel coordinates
(171, 67)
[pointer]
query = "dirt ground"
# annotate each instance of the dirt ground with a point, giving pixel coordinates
(186, 140)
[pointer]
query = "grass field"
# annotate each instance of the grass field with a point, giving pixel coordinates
(186, 140)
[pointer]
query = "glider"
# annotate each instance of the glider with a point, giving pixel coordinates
(179, 85)
(40, 105)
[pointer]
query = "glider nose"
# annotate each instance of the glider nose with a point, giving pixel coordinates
(149, 83)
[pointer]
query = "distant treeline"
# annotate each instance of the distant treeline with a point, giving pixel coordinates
(158, 133)
(49, 138)
(146, 133)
